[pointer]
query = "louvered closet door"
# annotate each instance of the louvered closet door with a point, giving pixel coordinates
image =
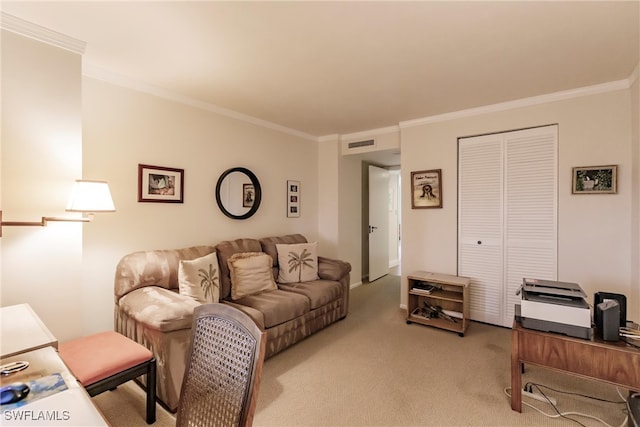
(526, 211)
(480, 224)
(531, 195)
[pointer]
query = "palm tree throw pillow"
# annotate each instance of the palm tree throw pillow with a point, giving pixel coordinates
(297, 262)
(199, 278)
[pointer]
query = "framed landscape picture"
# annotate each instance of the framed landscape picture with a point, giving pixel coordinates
(595, 180)
(160, 184)
(426, 189)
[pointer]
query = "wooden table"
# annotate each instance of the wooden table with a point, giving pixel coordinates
(22, 331)
(616, 363)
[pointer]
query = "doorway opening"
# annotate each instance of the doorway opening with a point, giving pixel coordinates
(381, 219)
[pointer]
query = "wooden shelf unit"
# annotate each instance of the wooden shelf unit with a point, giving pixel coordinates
(451, 294)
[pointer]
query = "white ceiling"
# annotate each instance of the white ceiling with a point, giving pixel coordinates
(329, 67)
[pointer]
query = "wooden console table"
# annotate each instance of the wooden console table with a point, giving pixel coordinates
(616, 363)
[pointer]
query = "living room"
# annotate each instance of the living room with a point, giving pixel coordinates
(77, 120)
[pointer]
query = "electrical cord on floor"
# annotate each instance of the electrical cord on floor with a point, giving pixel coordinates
(559, 414)
(538, 386)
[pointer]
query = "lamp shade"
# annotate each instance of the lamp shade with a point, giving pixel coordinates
(90, 196)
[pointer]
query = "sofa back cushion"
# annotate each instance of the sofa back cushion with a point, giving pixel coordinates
(269, 246)
(225, 250)
(153, 268)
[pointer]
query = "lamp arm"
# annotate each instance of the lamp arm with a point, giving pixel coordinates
(43, 222)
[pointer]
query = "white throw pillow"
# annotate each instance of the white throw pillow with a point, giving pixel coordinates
(298, 262)
(199, 278)
(250, 273)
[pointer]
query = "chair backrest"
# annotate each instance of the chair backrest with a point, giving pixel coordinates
(222, 376)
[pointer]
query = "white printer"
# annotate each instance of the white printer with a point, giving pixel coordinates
(553, 306)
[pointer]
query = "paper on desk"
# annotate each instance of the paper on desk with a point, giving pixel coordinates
(39, 388)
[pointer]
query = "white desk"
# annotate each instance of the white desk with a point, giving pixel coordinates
(22, 330)
(71, 407)
(25, 337)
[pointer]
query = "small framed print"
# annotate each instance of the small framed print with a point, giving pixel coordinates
(595, 180)
(248, 195)
(426, 189)
(293, 199)
(160, 184)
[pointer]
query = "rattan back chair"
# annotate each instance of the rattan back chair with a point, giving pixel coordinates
(222, 376)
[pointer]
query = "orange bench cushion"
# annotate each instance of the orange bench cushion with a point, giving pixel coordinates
(95, 357)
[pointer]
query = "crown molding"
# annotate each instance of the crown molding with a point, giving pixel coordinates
(329, 138)
(521, 103)
(41, 34)
(95, 72)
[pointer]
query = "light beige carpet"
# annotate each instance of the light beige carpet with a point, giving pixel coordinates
(372, 369)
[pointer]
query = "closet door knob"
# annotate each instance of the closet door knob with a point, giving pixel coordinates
(479, 242)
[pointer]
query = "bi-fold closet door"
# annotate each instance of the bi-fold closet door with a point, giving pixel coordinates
(507, 216)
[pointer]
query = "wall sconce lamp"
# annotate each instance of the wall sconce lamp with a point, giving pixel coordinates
(88, 197)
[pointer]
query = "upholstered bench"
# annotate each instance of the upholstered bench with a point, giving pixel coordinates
(103, 361)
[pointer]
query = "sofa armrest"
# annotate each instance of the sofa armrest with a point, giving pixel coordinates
(158, 308)
(332, 269)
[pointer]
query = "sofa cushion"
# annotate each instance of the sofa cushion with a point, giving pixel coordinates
(268, 245)
(225, 250)
(297, 262)
(159, 308)
(277, 306)
(198, 278)
(250, 274)
(319, 292)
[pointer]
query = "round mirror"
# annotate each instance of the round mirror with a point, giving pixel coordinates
(238, 193)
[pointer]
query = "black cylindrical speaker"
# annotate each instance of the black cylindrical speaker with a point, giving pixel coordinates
(609, 315)
(599, 297)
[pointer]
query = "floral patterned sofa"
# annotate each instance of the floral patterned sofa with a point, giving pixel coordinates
(280, 282)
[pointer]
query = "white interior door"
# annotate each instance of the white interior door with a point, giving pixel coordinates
(378, 222)
(480, 225)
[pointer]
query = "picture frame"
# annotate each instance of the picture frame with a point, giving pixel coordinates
(248, 195)
(293, 199)
(594, 179)
(426, 189)
(160, 184)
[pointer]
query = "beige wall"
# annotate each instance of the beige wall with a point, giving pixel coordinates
(328, 203)
(350, 215)
(594, 247)
(124, 127)
(59, 126)
(41, 156)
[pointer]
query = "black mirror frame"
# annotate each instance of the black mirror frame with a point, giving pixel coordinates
(256, 186)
